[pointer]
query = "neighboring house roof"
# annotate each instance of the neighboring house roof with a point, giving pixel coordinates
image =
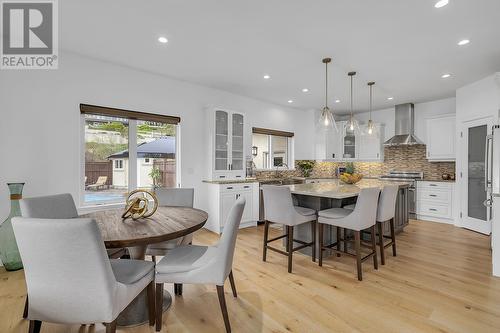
(159, 148)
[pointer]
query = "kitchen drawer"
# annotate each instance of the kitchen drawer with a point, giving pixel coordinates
(224, 188)
(432, 209)
(434, 195)
(434, 185)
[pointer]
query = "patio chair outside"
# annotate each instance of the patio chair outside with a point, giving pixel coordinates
(100, 183)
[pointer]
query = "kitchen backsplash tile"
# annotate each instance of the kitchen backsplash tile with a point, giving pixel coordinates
(404, 158)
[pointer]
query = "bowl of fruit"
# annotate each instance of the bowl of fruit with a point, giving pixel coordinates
(350, 176)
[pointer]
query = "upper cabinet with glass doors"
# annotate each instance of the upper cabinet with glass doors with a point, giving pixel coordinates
(227, 145)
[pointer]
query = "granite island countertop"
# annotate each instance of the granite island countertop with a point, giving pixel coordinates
(339, 190)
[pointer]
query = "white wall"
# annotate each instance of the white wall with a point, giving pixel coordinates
(422, 112)
(479, 100)
(40, 120)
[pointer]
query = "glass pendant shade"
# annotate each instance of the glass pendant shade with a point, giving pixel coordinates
(352, 124)
(326, 119)
(370, 129)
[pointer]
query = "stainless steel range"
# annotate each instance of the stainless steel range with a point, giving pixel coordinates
(407, 176)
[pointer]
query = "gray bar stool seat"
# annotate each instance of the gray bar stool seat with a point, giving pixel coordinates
(362, 217)
(279, 208)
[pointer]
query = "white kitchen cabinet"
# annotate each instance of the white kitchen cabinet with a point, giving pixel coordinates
(226, 144)
(334, 142)
(221, 198)
(435, 201)
(441, 138)
(370, 146)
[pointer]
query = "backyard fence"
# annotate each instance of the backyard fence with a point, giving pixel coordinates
(94, 170)
(167, 172)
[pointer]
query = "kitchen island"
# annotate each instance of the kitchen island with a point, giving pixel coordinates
(319, 196)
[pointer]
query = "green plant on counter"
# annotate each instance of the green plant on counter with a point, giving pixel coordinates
(349, 168)
(306, 167)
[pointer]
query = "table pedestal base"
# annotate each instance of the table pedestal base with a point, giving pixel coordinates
(137, 314)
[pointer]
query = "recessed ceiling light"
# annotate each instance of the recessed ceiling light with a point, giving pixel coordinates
(305, 90)
(290, 101)
(267, 77)
(445, 76)
(337, 101)
(390, 98)
(163, 40)
(441, 3)
(463, 42)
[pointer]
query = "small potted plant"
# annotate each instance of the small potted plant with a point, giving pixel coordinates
(155, 175)
(306, 167)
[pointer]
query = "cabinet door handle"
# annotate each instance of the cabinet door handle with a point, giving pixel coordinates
(229, 188)
(246, 186)
(432, 185)
(432, 195)
(222, 176)
(433, 209)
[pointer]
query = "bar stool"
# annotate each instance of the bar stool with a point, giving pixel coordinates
(362, 217)
(385, 213)
(279, 208)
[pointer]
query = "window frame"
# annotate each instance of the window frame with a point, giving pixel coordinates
(269, 160)
(85, 207)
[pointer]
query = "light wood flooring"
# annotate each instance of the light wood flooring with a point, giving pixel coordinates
(439, 282)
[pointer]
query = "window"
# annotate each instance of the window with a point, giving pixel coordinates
(126, 150)
(118, 164)
(271, 149)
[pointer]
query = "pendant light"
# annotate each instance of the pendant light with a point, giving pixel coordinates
(352, 124)
(326, 119)
(370, 127)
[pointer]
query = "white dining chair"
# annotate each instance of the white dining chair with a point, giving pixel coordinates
(279, 208)
(67, 287)
(59, 206)
(386, 212)
(173, 197)
(195, 264)
(362, 217)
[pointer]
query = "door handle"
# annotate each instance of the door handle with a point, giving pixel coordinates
(488, 203)
(487, 181)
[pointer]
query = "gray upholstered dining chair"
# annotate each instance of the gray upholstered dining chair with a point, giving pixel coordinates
(279, 208)
(180, 197)
(59, 206)
(195, 264)
(362, 217)
(67, 287)
(385, 213)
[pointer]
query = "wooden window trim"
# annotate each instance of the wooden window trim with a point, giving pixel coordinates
(266, 131)
(121, 113)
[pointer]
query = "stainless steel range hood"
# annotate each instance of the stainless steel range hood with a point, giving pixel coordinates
(405, 127)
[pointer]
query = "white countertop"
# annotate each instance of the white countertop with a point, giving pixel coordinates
(339, 190)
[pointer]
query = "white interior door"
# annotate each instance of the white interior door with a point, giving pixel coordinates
(475, 215)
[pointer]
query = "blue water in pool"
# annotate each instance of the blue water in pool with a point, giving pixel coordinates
(96, 197)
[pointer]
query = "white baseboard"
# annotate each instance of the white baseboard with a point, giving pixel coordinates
(435, 219)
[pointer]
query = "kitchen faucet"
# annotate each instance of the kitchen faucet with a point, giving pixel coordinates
(277, 169)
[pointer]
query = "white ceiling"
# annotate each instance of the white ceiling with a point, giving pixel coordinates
(405, 46)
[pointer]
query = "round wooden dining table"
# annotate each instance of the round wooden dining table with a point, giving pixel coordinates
(167, 223)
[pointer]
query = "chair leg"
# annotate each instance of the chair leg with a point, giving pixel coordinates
(313, 236)
(290, 247)
(154, 259)
(374, 246)
(159, 306)
(381, 242)
(151, 303)
(393, 236)
(287, 247)
(222, 302)
(320, 247)
(111, 327)
(266, 233)
(345, 238)
(233, 286)
(35, 326)
(25, 312)
(357, 247)
(338, 240)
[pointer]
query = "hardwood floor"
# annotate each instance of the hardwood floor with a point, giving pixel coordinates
(439, 282)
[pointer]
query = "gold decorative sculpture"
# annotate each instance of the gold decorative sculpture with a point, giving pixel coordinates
(138, 204)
